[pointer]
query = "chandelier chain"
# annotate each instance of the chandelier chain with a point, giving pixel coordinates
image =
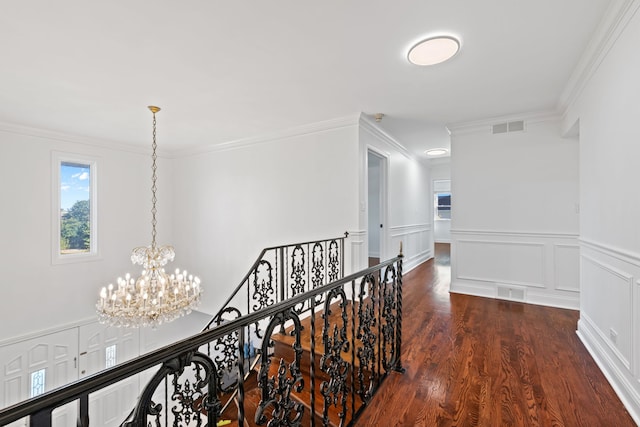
(154, 168)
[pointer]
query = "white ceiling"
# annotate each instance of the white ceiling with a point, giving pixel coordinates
(223, 71)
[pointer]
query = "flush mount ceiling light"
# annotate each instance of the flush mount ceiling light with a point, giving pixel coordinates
(436, 152)
(433, 50)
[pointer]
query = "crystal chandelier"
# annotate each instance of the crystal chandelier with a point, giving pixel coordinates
(155, 297)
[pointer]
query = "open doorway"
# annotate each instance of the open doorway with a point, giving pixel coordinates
(376, 206)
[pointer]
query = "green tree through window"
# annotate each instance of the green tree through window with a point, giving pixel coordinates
(75, 216)
(75, 230)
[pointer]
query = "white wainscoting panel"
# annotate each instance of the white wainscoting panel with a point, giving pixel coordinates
(417, 243)
(607, 301)
(566, 262)
(355, 251)
(543, 265)
(512, 263)
(609, 316)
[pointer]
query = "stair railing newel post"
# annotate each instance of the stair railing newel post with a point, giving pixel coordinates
(398, 366)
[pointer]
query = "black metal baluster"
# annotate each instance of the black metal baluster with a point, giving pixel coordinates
(380, 301)
(276, 390)
(248, 286)
(307, 271)
(398, 366)
(41, 418)
(312, 361)
(353, 350)
(83, 411)
(283, 272)
(241, 341)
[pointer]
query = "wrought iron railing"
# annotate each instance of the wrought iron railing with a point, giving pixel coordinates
(354, 341)
(282, 272)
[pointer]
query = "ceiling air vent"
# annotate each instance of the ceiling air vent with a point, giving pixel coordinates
(515, 126)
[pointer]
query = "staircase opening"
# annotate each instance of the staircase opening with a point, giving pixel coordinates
(296, 343)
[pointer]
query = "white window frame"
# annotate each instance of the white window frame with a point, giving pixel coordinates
(440, 186)
(57, 159)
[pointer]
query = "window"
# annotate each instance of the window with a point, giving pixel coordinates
(442, 205)
(74, 216)
(37, 385)
(110, 356)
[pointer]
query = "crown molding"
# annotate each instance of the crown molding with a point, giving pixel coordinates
(307, 129)
(17, 129)
(612, 25)
(370, 126)
(484, 125)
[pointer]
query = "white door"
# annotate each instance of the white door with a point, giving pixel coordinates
(376, 207)
(102, 347)
(31, 367)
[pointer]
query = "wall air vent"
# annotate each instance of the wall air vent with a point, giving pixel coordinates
(501, 128)
(511, 293)
(515, 126)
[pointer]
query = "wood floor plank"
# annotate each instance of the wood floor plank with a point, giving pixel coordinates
(474, 361)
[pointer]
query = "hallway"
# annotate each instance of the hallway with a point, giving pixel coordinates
(474, 361)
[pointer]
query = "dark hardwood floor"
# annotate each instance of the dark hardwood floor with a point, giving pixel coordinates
(474, 361)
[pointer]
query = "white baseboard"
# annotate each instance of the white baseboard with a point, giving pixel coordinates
(532, 296)
(622, 384)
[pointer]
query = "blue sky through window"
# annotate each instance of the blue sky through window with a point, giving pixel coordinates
(74, 183)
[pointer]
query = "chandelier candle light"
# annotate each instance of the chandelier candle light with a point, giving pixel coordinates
(155, 297)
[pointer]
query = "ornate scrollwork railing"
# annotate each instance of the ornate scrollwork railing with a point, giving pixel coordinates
(323, 370)
(282, 272)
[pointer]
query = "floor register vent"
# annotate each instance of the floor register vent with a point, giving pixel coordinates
(511, 293)
(516, 126)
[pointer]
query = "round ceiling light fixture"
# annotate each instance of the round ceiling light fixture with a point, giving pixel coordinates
(436, 152)
(434, 50)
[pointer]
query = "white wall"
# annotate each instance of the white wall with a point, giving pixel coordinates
(44, 302)
(408, 195)
(515, 220)
(37, 295)
(229, 205)
(607, 110)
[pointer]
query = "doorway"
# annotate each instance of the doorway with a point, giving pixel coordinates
(376, 206)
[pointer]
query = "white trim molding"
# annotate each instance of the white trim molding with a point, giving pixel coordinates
(485, 262)
(612, 25)
(485, 125)
(367, 124)
(311, 128)
(624, 255)
(74, 139)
